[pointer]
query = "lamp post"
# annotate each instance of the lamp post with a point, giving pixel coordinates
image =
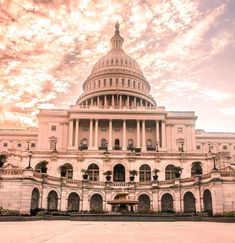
(30, 156)
(157, 146)
(214, 157)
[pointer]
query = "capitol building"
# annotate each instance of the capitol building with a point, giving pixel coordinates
(114, 139)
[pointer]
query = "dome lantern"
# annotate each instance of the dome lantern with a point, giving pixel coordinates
(117, 39)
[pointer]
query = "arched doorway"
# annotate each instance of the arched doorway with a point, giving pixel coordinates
(145, 173)
(34, 201)
(144, 203)
(119, 173)
(189, 203)
(96, 203)
(207, 202)
(167, 203)
(73, 202)
(52, 201)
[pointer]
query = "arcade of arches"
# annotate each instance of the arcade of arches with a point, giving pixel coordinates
(97, 202)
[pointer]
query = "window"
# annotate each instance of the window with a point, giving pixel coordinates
(85, 128)
(93, 172)
(180, 130)
(145, 173)
(5, 144)
(130, 144)
(133, 84)
(123, 82)
(66, 170)
(110, 82)
(19, 145)
(198, 147)
(53, 128)
(33, 145)
(225, 147)
(104, 82)
(129, 83)
(170, 172)
(104, 143)
(99, 83)
(117, 128)
(116, 81)
(103, 128)
(53, 144)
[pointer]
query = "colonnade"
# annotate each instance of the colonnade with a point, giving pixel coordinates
(74, 138)
(116, 101)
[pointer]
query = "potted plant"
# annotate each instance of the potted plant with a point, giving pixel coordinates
(155, 175)
(133, 173)
(108, 174)
(85, 174)
(178, 171)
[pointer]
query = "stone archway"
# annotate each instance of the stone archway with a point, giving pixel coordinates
(73, 202)
(96, 203)
(144, 203)
(189, 203)
(167, 203)
(52, 201)
(207, 202)
(119, 173)
(34, 201)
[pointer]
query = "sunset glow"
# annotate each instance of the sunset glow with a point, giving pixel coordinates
(185, 48)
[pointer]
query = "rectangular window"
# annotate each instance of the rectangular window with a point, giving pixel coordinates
(5, 145)
(225, 147)
(32, 145)
(148, 129)
(198, 147)
(180, 130)
(19, 145)
(53, 144)
(117, 129)
(130, 129)
(103, 129)
(53, 128)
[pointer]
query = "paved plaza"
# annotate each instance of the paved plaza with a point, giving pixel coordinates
(112, 232)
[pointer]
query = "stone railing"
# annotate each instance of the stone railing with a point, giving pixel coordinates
(227, 174)
(11, 172)
(187, 180)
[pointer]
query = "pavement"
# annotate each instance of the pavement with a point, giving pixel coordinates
(116, 232)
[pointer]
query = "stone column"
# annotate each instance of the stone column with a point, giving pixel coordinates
(105, 101)
(76, 133)
(163, 135)
(113, 104)
(120, 101)
(143, 135)
(135, 102)
(128, 101)
(98, 101)
(110, 135)
(96, 133)
(157, 132)
(91, 134)
(138, 134)
(70, 133)
(124, 135)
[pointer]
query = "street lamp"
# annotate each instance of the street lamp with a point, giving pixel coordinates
(157, 146)
(214, 157)
(30, 156)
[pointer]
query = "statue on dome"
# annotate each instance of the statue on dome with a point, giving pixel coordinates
(117, 28)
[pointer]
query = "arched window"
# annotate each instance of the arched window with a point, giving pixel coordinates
(99, 84)
(145, 173)
(170, 172)
(130, 144)
(103, 143)
(66, 170)
(119, 173)
(196, 168)
(41, 167)
(93, 172)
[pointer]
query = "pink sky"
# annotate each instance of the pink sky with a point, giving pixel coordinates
(185, 48)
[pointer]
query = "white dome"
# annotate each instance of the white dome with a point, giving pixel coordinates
(116, 58)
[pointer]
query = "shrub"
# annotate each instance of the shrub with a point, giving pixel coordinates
(229, 214)
(9, 212)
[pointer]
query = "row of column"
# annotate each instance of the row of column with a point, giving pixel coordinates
(116, 101)
(73, 134)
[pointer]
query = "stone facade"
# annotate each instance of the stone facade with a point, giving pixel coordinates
(117, 126)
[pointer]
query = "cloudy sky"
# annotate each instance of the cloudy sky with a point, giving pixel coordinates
(186, 49)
